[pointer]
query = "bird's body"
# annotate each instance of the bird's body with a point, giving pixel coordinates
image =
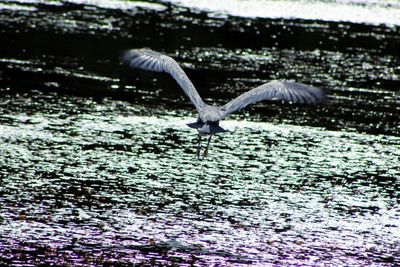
(209, 116)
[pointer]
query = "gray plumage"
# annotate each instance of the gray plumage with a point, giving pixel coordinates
(209, 116)
(150, 60)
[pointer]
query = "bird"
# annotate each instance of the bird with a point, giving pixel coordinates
(209, 116)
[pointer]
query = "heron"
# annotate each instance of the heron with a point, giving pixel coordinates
(209, 116)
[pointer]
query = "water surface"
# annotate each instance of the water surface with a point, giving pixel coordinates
(97, 166)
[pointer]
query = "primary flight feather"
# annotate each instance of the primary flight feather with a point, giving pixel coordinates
(209, 116)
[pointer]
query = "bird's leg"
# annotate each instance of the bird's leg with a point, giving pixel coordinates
(208, 144)
(198, 147)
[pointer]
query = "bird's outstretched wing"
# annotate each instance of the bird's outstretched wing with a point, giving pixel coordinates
(147, 59)
(275, 90)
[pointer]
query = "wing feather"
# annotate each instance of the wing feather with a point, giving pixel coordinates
(150, 60)
(275, 90)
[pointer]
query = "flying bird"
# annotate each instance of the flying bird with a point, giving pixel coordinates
(209, 116)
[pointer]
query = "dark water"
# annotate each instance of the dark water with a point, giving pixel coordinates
(97, 166)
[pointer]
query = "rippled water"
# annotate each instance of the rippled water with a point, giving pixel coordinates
(97, 166)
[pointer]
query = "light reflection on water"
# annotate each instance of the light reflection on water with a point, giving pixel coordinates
(361, 11)
(98, 167)
(131, 184)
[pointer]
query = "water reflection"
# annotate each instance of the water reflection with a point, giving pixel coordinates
(104, 183)
(363, 12)
(97, 165)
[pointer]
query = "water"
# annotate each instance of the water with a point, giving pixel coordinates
(356, 11)
(98, 167)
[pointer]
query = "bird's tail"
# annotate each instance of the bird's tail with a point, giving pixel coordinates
(209, 127)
